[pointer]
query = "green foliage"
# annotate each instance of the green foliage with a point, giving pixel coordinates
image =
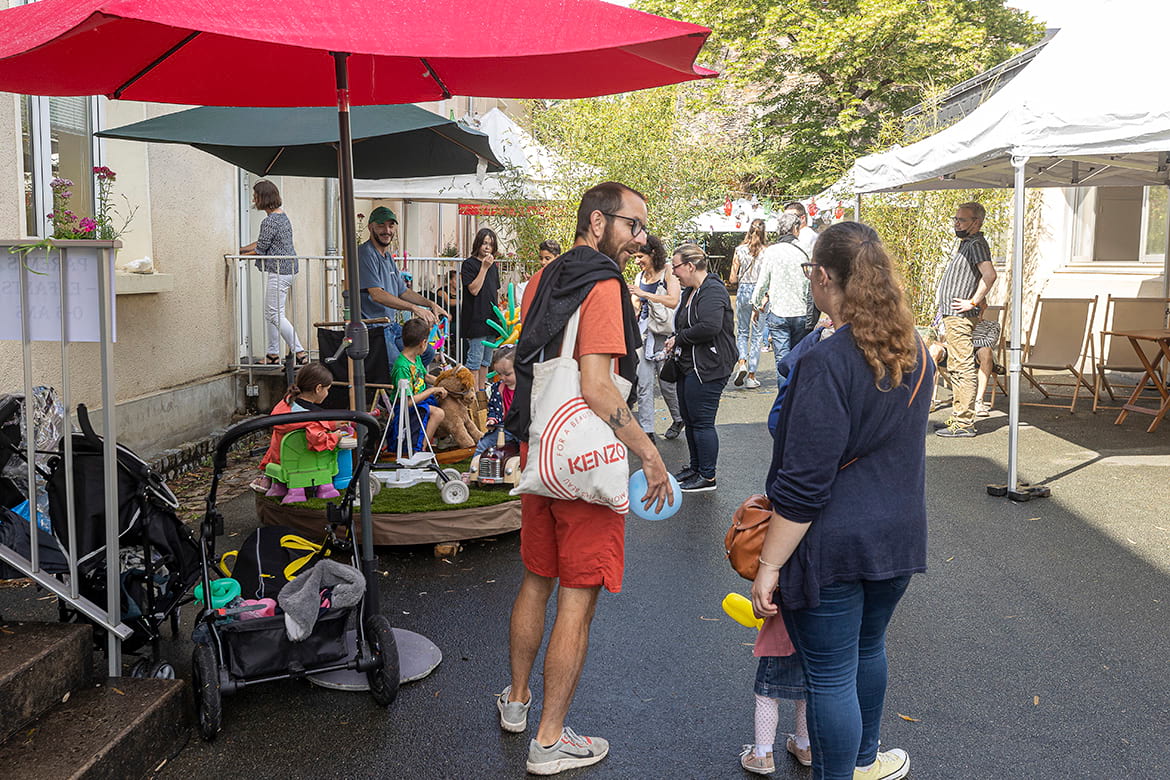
(665, 143)
(829, 73)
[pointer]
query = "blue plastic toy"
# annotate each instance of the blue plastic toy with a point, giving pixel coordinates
(638, 492)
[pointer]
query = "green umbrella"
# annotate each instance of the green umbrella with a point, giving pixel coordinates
(388, 141)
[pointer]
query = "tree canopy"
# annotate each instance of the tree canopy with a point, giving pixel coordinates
(823, 76)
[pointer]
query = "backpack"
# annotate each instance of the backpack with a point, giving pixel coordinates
(268, 560)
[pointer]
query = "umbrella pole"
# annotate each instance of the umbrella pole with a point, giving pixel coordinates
(1013, 489)
(355, 330)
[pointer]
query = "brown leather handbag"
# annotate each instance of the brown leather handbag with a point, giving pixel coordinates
(745, 538)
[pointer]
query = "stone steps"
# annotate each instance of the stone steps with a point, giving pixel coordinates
(56, 722)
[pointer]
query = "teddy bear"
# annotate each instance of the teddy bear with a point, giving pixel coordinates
(458, 421)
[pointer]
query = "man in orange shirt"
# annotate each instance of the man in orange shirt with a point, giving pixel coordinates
(579, 544)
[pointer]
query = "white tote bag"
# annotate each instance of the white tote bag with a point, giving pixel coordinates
(573, 453)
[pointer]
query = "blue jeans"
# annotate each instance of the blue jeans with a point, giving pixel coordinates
(394, 345)
(697, 403)
(479, 354)
(749, 336)
(784, 333)
(842, 647)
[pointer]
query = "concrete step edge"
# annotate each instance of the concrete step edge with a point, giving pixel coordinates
(118, 730)
(39, 664)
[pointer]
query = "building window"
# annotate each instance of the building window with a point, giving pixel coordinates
(58, 142)
(1118, 224)
(1154, 223)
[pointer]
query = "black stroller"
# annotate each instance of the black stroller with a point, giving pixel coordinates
(231, 654)
(159, 559)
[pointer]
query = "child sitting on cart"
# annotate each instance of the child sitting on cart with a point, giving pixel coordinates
(503, 362)
(423, 414)
(306, 394)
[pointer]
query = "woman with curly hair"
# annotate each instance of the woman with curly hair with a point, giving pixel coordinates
(655, 293)
(847, 485)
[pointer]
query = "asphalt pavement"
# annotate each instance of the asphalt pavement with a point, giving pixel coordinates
(1034, 647)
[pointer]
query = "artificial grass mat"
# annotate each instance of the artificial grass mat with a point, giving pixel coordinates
(423, 498)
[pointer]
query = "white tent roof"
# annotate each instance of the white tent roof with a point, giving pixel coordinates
(743, 211)
(512, 146)
(1087, 111)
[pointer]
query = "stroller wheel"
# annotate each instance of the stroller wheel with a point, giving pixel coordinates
(205, 681)
(138, 670)
(161, 670)
(383, 678)
(375, 486)
(453, 475)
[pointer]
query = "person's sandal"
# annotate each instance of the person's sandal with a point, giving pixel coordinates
(272, 360)
(302, 358)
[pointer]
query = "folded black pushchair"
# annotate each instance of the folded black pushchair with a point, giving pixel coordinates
(158, 556)
(233, 651)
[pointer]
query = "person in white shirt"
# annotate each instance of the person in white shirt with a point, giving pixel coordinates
(783, 281)
(806, 235)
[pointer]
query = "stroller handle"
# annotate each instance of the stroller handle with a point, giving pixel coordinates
(242, 429)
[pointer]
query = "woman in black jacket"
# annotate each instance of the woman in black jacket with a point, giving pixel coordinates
(704, 343)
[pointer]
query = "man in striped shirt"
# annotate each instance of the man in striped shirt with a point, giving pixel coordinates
(965, 283)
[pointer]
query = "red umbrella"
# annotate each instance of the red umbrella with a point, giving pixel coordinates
(303, 53)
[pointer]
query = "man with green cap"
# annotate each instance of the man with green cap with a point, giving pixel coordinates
(383, 290)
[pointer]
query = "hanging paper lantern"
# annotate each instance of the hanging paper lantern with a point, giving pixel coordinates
(738, 224)
(839, 212)
(812, 208)
(727, 206)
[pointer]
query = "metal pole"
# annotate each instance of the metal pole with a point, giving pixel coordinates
(105, 258)
(356, 329)
(1015, 348)
(30, 430)
(67, 424)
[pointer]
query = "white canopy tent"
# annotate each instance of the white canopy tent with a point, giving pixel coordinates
(743, 211)
(1070, 119)
(512, 146)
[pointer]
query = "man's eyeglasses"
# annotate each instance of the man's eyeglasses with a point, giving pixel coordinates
(677, 266)
(808, 269)
(963, 220)
(636, 226)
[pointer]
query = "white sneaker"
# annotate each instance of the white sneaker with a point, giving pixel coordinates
(751, 383)
(982, 409)
(513, 714)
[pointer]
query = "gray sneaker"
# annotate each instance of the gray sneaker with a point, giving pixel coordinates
(513, 714)
(570, 752)
(751, 383)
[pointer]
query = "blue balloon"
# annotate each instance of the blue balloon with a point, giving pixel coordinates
(638, 492)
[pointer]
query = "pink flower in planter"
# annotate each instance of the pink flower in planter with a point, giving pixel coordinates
(87, 225)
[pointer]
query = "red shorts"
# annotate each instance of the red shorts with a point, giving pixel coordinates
(582, 544)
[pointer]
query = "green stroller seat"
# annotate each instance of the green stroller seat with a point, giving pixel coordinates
(301, 467)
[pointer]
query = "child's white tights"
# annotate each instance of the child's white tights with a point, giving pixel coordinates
(767, 719)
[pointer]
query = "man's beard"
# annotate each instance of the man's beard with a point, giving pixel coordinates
(611, 246)
(383, 244)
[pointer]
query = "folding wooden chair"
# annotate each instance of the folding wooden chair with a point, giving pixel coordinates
(1117, 354)
(1058, 338)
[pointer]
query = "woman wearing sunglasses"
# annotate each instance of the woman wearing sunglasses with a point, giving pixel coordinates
(847, 486)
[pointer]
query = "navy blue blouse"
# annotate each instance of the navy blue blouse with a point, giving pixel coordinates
(850, 460)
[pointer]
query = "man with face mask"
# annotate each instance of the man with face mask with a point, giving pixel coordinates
(965, 283)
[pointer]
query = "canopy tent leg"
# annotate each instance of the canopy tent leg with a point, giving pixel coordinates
(1013, 489)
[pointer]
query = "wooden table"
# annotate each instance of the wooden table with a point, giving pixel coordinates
(1161, 338)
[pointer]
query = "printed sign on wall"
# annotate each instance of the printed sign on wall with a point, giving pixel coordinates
(41, 268)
